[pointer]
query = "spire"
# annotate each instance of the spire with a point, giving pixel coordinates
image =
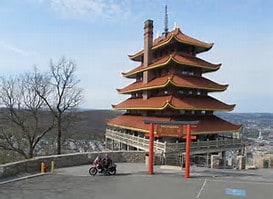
(166, 31)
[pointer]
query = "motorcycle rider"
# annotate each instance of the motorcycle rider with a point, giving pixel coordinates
(106, 161)
(103, 165)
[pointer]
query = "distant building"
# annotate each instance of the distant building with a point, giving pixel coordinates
(169, 85)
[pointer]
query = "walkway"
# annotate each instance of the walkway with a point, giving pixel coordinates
(133, 182)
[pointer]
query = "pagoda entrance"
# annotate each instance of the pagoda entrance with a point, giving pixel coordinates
(170, 128)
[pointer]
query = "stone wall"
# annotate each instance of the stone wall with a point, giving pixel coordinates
(263, 160)
(67, 160)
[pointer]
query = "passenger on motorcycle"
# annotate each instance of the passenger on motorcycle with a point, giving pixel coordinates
(98, 161)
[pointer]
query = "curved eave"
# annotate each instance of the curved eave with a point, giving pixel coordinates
(193, 131)
(205, 46)
(137, 56)
(152, 66)
(231, 107)
(200, 46)
(224, 87)
(172, 58)
(171, 82)
(207, 125)
(169, 105)
(207, 68)
(128, 127)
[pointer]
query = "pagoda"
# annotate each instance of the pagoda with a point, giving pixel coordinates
(169, 85)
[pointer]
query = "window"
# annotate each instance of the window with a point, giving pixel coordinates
(184, 72)
(182, 112)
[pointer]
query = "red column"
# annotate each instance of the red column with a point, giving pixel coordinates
(151, 150)
(188, 148)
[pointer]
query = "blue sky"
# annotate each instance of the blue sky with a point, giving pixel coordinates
(99, 34)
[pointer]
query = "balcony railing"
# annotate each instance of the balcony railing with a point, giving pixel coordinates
(159, 147)
(134, 141)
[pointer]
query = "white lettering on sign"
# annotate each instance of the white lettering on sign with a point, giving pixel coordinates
(169, 130)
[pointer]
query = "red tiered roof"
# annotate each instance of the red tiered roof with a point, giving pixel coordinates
(184, 81)
(163, 102)
(175, 36)
(177, 58)
(181, 50)
(207, 124)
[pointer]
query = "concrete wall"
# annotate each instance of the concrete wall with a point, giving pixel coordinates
(66, 160)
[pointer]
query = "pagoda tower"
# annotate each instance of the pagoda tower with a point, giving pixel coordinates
(168, 85)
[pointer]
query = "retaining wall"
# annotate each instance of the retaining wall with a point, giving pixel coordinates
(66, 160)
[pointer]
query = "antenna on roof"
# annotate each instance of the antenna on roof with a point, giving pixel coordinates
(166, 31)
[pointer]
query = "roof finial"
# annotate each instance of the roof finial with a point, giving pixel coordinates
(175, 25)
(166, 31)
(157, 34)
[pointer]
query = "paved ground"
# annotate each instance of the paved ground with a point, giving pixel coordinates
(133, 182)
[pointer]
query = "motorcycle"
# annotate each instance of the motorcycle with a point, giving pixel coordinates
(97, 166)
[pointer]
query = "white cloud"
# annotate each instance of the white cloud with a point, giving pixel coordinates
(36, 1)
(92, 9)
(15, 49)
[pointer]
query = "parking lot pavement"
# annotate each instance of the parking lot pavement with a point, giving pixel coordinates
(133, 182)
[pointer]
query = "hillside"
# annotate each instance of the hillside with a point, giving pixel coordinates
(91, 124)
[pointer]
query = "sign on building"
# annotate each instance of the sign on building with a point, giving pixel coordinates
(169, 130)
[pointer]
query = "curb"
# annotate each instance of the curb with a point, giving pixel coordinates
(169, 167)
(21, 178)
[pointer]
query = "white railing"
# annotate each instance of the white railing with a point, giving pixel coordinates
(135, 141)
(197, 146)
(209, 145)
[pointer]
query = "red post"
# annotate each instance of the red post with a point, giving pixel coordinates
(151, 150)
(188, 148)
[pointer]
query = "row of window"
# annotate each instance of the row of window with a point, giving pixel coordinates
(171, 49)
(166, 71)
(158, 92)
(170, 112)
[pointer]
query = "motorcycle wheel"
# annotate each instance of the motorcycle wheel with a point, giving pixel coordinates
(112, 171)
(93, 171)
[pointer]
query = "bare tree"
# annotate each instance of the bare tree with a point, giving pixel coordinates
(22, 118)
(65, 95)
